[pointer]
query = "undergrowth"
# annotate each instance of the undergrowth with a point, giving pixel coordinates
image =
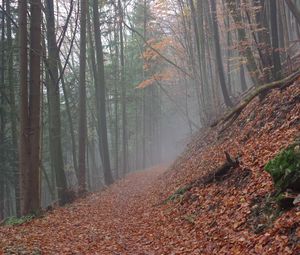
(14, 221)
(285, 172)
(285, 169)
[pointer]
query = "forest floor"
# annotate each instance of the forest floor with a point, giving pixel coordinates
(152, 212)
(115, 221)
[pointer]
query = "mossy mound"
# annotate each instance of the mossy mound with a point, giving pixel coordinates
(285, 169)
(285, 172)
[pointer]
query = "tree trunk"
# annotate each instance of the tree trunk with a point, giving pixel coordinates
(13, 111)
(203, 38)
(219, 56)
(123, 94)
(101, 96)
(66, 90)
(54, 105)
(116, 100)
(246, 52)
(144, 96)
(197, 75)
(294, 9)
(3, 154)
(275, 40)
(35, 104)
(82, 101)
(263, 39)
(24, 121)
(30, 106)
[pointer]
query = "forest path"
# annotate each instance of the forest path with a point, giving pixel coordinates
(119, 220)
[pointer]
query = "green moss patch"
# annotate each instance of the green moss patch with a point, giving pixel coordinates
(285, 172)
(285, 169)
(13, 221)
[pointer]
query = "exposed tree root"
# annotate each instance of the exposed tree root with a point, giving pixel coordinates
(217, 175)
(282, 84)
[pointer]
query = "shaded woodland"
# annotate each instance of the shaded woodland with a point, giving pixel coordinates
(93, 90)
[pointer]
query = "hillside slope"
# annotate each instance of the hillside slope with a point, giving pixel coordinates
(229, 216)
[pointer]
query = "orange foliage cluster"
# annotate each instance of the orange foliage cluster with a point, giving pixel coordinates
(159, 45)
(169, 74)
(130, 218)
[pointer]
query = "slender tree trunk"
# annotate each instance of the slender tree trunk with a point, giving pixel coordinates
(229, 44)
(202, 37)
(2, 199)
(219, 56)
(32, 202)
(198, 75)
(2, 114)
(116, 95)
(245, 51)
(66, 90)
(243, 78)
(275, 41)
(294, 9)
(82, 100)
(94, 73)
(137, 130)
(123, 94)
(144, 96)
(210, 52)
(263, 39)
(54, 105)
(13, 110)
(24, 121)
(284, 24)
(101, 97)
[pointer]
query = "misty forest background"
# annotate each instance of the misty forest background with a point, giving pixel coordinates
(91, 90)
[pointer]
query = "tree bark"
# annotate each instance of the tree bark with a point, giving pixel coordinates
(123, 94)
(35, 104)
(245, 51)
(275, 40)
(54, 107)
(66, 89)
(82, 101)
(3, 155)
(294, 9)
(101, 96)
(13, 110)
(197, 75)
(219, 56)
(30, 106)
(263, 40)
(24, 119)
(94, 73)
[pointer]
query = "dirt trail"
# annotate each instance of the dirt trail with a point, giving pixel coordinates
(112, 222)
(220, 218)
